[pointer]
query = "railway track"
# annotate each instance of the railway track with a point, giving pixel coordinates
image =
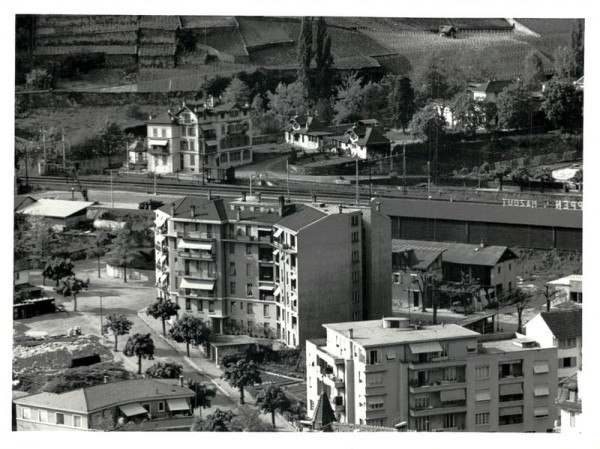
(298, 192)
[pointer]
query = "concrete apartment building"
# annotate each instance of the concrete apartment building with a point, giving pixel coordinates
(563, 329)
(199, 136)
(433, 378)
(271, 269)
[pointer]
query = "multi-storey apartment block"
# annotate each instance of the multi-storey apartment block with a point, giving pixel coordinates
(271, 269)
(433, 378)
(199, 136)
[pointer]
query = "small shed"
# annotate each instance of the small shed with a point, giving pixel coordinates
(447, 31)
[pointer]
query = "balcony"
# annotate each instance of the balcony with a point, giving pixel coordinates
(439, 409)
(196, 256)
(333, 381)
(375, 368)
(202, 294)
(159, 150)
(200, 275)
(196, 235)
(436, 362)
(437, 385)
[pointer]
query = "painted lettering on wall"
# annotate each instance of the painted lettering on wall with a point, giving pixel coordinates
(518, 203)
(558, 204)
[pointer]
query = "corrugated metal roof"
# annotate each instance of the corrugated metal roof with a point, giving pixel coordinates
(483, 213)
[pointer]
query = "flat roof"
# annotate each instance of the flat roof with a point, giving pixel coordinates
(507, 345)
(372, 333)
(483, 213)
(567, 279)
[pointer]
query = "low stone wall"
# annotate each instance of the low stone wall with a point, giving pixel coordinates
(133, 274)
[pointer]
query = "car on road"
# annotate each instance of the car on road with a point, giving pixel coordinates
(342, 181)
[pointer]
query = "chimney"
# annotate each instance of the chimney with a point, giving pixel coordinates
(180, 380)
(340, 208)
(238, 214)
(378, 206)
(350, 333)
(281, 205)
(105, 379)
(314, 198)
(192, 211)
(172, 209)
(150, 117)
(243, 196)
(183, 104)
(481, 244)
(209, 195)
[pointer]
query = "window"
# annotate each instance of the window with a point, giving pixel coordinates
(355, 256)
(421, 402)
(43, 416)
(355, 316)
(248, 269)
(60, 418)
(482, 419)
(499, 270)
(161, 406)
(354, 237)
(154, 132)
(241, 306)
(292, 241)
(250, 308)
(354, 220)
(541, 390)
(355, 296)
(211, 306)
(509, 267)
(422, 424)
(482, 372)
(540, 367)
(200, 309)
(373, 357)
(374, 379)
(567, 362)
(192, 156)
(540, 412)
(248, 249)
(163, 132)
(482, 395)
(76, 421)
(312, 404)
(567, 343)
(232, 288)
(397, 278)
(25, 412)
(249, 290)
(375, 403)
(266, 310)
(188, 304)
(450, 421)
(232, 268)
(184, 145)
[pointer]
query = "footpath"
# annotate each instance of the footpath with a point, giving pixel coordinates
(208, 371)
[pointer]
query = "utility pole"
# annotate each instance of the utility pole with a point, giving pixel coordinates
(27, 168)
(44, 141)
(391, 160)
(287, 171)
(101, 319)
(154, 173)
(112, 198)
(63, 150)
(357, 185)
(428, 181)
(370, 184)
(404, 169)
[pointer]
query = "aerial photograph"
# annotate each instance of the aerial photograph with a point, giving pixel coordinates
(297, 224)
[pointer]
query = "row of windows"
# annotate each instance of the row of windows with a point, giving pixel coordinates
(42, 416)
(188, 305)
(250, 308)
(249, 288)
(539, 367)
(233, 271)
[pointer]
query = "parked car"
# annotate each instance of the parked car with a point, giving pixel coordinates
(342, 181)
(458, 307)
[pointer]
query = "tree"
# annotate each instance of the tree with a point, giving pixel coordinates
(468, 113)
(563, 104)
(272, 399)
(237, 92)
(564, 63)
(402, 102)
(72, 286)
(520, 176)
(37, 240)
(242, 374)
(374, 102)
(189, 329)
(533, 71)
(203, 395)
(58, 268)
(514, 107)
(99, 248)
(577, 46)
(162, 309)
(296, 413)
(186, 39)
(110, 137)
(428, 122)
(324, 61)
(520, 299)
(84, 376)
(118, 324)
(349, 100)
(544, 176)
(305, 55)
(122, 249)
(324, 111)
(165, 370)
(500, 172)
(218, 421)
(247, 419)
(287, 101)
(435, 79)
(39, 79)
(140, 346)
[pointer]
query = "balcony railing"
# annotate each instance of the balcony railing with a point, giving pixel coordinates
(198, 275)
(203, 294)
(196, 235)
(195, 256)
(415, 383)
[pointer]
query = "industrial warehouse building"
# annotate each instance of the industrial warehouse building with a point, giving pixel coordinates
(558, 226)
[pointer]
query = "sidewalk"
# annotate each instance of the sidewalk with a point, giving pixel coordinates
(209, 371)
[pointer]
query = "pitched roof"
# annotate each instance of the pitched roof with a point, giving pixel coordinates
(56, 208)
(459, 253)
(368, 135)
(564, 323)
(420, 259)
(492, 86)
(478, 212)
(323, 415)
(301, 217)
(210, 210)
(163, 119)
(105, 395)
(22, 200)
